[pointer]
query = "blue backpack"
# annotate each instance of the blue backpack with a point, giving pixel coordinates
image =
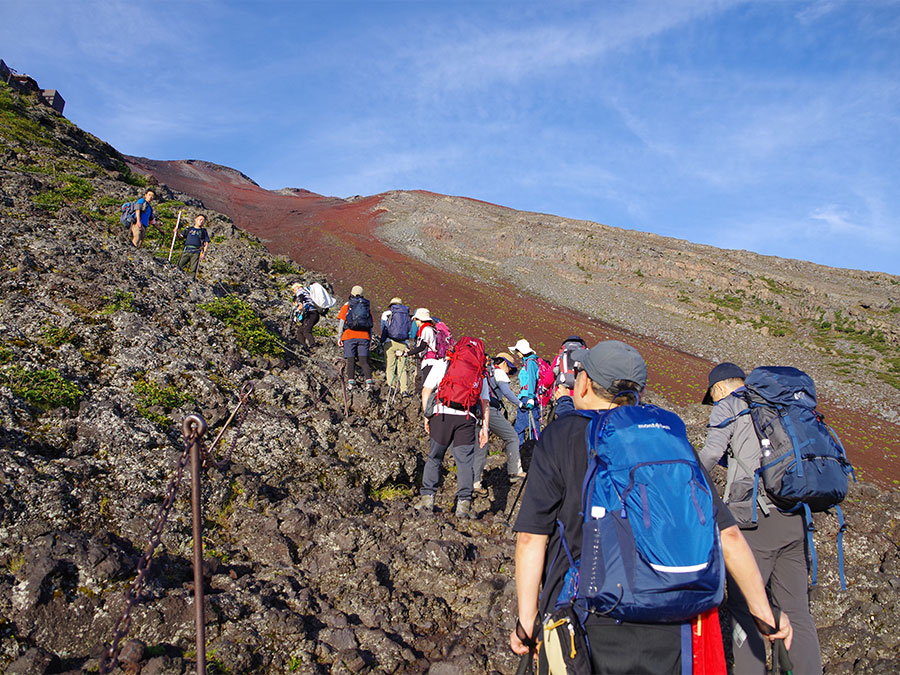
(128, 216)
(650, 548)
(399, 324)
(803, 466)
(359, 316)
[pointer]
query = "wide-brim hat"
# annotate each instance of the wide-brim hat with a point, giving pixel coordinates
(395, 301)
(422, 314)
(356, 290)
(723, 371)
(510, 361)
(523, 347)
(612, 360)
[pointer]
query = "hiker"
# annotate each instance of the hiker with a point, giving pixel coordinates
(562, 365)
(778, 540)
(528, 416)
(460, 390)
(196, 241)
(308, 313)
(498, 373)
(395, 327)
(609, 375)
(144, 217)
(425, 348)
(356, 337)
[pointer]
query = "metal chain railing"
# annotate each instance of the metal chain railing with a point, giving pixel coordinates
(194, 428)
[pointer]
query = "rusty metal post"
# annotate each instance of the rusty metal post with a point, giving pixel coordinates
(342, 364)
(194, 427)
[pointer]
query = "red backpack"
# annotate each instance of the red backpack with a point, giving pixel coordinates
(545, 382)
(461, 386)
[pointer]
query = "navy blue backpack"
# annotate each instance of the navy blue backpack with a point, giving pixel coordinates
(399, 323)
(803, 467)
(359, 316)
(650, 549)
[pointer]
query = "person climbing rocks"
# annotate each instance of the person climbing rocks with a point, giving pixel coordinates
(528, 416)
(501, 367)
(452, 425)
(777, 539)
(143, 218)
(309, 313)
(355, 331)
(196, 241)
(425, 348)
(395, 327)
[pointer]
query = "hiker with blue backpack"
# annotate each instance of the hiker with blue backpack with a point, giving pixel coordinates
(622, 542)
(528, 417)
(395, 327)
(139, 215)
(777, 538)
(355, 331)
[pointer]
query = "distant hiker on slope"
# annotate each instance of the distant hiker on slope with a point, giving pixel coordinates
(460, 390)
(529, 415)
(395, 327)
(196, 241)
(305, 315)
(144, 217)
(498, 373)
(355, 338)
(778, 540)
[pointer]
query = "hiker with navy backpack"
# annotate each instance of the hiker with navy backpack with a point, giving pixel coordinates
(777, 538)
(622, 542)
(454, 395)
(355, 330)
(395, 327)
(196, 241)
(528, 417)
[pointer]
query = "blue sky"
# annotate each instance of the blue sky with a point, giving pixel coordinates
(768, 126)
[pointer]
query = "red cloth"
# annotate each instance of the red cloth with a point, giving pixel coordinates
(706, 642)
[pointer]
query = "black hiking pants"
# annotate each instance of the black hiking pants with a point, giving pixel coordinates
(304, 329)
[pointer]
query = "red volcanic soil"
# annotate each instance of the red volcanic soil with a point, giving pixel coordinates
(337, 237)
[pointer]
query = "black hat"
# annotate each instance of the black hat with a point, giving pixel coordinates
(723, 371)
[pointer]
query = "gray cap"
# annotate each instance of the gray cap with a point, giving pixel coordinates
(612, 360)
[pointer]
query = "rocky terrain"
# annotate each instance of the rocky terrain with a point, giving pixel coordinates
(315, 559)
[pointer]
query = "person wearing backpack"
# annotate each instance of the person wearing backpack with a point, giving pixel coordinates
(777, 539)
(529, 412)
(143, 218)
(499, 370)
(306, 315)
(196, 241)
(609, 379)
(454, 395)
(355, 330)
(395, 327)
(426, 344)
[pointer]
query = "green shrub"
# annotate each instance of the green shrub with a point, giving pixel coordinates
(50, 200)
(150, 395)
(219, 238)
(323, 330)
(55, 336)
(5, 355)
(250, 331)
(77, 188)
(280, 266)
(120, 301)
(45, 389)
(110, 201)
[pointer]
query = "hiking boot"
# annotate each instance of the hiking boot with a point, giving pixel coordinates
(464, 508)
(480, 491)
(370, 385)
(425, 503)
(516, 477)
(351, 384)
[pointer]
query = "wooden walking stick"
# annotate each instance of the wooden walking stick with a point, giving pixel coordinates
(174, 232)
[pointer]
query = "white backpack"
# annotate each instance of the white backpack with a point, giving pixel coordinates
(320, 296)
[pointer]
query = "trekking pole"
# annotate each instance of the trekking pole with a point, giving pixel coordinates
(387, 400)
(174, 232)
(342, 364)
(194, 427)
(516, 500)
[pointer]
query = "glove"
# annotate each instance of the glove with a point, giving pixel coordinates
(529, 404)
(522, 405)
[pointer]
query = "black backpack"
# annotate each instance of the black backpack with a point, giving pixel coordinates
(359, 317)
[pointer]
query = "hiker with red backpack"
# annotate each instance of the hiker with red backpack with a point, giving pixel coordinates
(777, 539)
(528, 417)
(454, 394)
(356, 315)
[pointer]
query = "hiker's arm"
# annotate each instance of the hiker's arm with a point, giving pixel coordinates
(507, 393)
(530, 552)
(485, 423)
(340, 332)
(741, 565)
(716, 439)
(426, 394)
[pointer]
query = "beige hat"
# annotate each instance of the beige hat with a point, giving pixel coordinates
(395, 301)
(356, 290)
(296, 286)
(522, 347)
(422, 314)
